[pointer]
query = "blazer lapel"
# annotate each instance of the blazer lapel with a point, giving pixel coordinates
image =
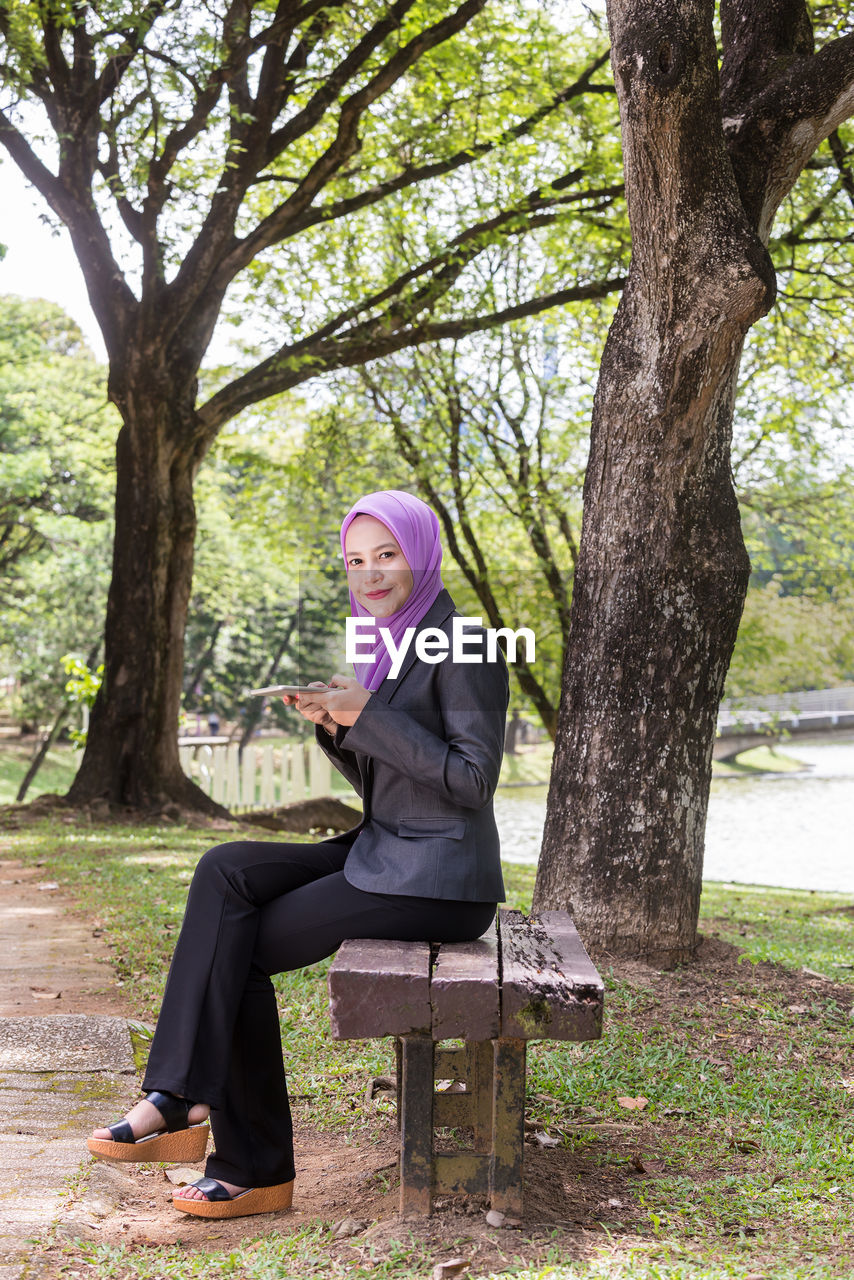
(441, 608)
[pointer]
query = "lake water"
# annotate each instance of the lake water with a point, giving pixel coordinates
(792, 830)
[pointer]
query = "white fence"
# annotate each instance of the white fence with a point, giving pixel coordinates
(802, 704)
(261, 777)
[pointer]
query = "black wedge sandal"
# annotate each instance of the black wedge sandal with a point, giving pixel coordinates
(220, 1203)
(177, 1140)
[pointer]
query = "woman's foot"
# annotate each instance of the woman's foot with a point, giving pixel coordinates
(145, 1119)
(160, 1127)
(193, 1192)
(211, 1198)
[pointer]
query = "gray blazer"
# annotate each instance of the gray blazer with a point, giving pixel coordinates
(424, 755)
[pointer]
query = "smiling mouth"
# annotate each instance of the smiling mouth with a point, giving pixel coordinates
(377, 595)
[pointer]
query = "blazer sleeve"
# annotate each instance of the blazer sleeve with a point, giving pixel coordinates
(462, 767)
(345, 761)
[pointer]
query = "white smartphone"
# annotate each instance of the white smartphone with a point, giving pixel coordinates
(274, 689)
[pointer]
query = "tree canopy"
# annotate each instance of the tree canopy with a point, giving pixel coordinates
(56, 497)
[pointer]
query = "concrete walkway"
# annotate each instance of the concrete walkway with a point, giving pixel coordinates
(63, 1070)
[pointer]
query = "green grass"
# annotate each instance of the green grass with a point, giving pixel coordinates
(757, 760)
(798, 928)
(746, 1117)
(533, 764)
(55, 775)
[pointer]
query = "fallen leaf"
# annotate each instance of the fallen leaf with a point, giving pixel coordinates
(633, 1104)
(181, 1177)
(848, 1084)
(743, 1143)
(48, 886)
(495, 1218)
(381, 1084)
(453, 1267)
(44, 993)
(546, 1140)
(797, 1008)
(349, 1227)
(646, 1164)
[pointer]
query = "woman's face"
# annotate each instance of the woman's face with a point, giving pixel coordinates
(377, 571)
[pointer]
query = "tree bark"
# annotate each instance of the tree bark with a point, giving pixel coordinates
(662, 569)
(131, 755)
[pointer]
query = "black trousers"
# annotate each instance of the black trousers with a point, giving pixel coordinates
(256, 908)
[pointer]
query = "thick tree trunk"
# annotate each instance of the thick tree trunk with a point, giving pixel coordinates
(662, 568)
(131, 755)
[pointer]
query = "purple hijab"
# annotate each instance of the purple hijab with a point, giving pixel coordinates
(416, 529)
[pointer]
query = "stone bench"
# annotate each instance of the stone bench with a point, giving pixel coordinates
(526, 979)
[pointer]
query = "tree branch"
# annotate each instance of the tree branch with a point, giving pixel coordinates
(318, 104)
(755, 37)
(842, 159)
(447, 266)
(205, 100)
(773, 132)
(291, 366)
(115, 67)
(277, 226)
(413, 174)
(110, 296)
(205, 258)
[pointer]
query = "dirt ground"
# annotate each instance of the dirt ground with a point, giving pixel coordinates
(53, 959)
(354, 1184)
(572, 1198)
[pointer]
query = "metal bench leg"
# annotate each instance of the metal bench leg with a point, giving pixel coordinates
(508, 1126)
(416, 1126)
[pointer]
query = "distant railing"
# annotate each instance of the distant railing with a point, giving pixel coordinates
(803, 704)
(261, 776)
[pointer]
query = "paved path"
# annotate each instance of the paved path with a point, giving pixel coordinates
(62, 1069)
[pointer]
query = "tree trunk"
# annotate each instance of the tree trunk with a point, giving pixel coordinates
(48, 739)
(195, 676)
(131, 755)
(662, 569)
(51, 736)
(256, 705)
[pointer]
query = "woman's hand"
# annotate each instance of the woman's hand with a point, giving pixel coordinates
(344, 699)
(311, 709)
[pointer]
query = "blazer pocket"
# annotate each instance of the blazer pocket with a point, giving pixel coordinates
(446, 828)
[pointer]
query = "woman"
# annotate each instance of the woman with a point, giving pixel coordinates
(423, 748)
